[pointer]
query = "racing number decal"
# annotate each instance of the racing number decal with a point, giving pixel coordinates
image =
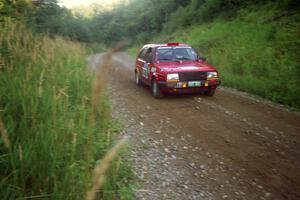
(146, 71)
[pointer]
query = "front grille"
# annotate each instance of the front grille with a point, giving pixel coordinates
(192, 76)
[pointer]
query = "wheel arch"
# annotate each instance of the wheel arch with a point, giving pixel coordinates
(154, 77)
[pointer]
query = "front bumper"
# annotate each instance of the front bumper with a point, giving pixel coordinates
(188, 86)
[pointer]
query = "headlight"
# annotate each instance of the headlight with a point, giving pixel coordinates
(171, 77)
(211, 75)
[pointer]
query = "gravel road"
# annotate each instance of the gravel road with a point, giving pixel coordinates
(230, 146)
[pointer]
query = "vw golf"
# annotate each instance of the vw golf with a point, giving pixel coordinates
(174, 68)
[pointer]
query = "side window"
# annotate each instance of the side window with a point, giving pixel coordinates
(141, 51)
(142, 54)
(148, 56)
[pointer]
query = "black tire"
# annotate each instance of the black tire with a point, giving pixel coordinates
(210, 92)
(137, 78)
(156, 92)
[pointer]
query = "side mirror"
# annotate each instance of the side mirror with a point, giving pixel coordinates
(203, 59)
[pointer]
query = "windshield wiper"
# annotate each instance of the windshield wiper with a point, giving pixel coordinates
(167, 59)
(184, 58)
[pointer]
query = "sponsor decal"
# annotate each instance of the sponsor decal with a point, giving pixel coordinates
(153, 69)
(146, 70)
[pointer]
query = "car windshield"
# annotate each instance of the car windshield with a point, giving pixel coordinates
(168, 54)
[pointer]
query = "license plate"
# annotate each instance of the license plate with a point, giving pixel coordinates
(194, 83)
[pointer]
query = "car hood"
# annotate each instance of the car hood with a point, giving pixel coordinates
(170, 67)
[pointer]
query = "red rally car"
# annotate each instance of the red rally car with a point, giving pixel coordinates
(174, 68)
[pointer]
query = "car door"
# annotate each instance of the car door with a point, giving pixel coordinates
(140, 61)
(146, 66)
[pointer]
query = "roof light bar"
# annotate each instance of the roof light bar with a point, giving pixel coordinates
(173, 44)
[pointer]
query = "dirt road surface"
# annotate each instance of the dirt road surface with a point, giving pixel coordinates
(230, 146)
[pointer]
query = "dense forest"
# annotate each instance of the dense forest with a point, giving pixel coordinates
(138, 20)
(45, 91)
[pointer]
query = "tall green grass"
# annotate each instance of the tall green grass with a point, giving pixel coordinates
(45, 107)
(256, 51)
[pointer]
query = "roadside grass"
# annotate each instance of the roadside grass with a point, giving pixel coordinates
(133, 51)
(55, 135)
(94, 48)
(255, 52)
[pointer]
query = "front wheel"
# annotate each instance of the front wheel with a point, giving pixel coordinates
(210, 92)
(156, 92)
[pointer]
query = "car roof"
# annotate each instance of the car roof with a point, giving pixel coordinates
(173, 44)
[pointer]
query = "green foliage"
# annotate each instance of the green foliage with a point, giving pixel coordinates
(46, 16)
(138, 20)
(133, 51)
(18, 10)
(52, 19)
(45, 106)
